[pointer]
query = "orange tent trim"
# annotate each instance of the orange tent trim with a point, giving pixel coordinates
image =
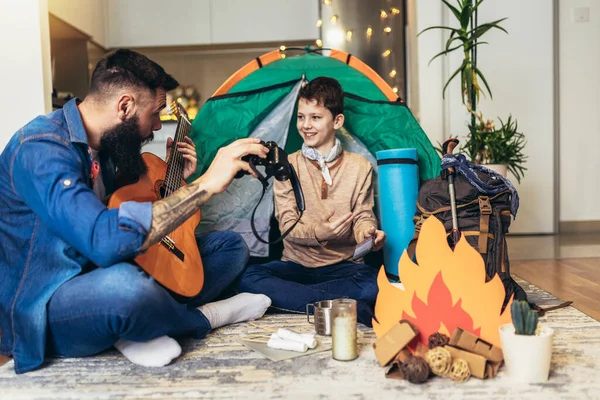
(366, 71)
(247, 70)
(336, 54)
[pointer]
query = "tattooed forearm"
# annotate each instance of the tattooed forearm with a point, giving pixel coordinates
(172, 211)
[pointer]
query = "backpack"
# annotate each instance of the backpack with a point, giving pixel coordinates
(483, 220)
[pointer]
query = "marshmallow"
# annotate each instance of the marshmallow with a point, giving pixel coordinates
(305, 338)
(282, 344)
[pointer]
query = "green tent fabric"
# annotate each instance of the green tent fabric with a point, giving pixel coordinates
(377, 122)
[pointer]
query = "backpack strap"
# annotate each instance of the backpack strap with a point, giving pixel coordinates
(447, 208)
(485, 210)
(412, 245)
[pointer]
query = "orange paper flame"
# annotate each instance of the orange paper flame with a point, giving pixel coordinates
(446, 290)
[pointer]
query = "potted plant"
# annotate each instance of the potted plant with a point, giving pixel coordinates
(485, 144)
(527, 345)
(500, 149)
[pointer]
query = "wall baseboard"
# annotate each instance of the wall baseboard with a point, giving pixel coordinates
(579, 226)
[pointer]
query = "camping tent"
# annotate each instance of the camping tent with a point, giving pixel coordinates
(259, 100)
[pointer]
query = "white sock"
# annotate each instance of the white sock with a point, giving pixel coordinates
(239, 308)
(154, 353)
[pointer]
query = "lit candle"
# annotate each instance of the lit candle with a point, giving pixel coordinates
(344, 339)
(343, 331)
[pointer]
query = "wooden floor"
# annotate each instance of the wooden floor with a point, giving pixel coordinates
(576, 279)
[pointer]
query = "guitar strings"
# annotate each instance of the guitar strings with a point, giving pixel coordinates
(175, 169)
(179, 160)
(169, 177)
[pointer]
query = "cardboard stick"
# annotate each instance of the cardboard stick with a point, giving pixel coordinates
(255, 340)
(262, 327)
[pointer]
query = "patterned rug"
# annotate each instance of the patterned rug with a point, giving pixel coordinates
(221, 367)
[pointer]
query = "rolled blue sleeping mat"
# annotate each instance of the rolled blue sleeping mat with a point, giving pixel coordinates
(398, 179)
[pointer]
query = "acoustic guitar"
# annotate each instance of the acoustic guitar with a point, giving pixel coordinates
(175, 261)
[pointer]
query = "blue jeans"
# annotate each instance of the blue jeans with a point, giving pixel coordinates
(291, 286)
(89, 313)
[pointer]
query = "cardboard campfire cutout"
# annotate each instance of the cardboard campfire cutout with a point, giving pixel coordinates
(446, 290)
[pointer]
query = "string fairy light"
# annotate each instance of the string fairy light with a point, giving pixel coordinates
(335, 37)
(282, 48)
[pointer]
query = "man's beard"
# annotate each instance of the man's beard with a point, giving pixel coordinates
(123, 145)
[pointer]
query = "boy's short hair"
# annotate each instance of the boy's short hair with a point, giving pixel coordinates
(127, 68)
(327, 92)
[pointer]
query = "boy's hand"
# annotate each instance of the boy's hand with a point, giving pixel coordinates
(378, 235)
(333, 229)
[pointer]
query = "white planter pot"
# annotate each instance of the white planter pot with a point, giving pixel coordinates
(527, 358)
(502, 169)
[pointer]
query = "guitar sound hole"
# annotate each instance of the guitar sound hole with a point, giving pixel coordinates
(160, 189)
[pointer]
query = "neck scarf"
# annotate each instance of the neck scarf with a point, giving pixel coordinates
(312, 154)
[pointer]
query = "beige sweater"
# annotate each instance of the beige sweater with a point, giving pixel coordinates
(351, 191)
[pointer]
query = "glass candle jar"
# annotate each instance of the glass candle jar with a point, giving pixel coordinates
(343, 329)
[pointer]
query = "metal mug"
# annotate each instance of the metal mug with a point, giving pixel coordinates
(322, 316)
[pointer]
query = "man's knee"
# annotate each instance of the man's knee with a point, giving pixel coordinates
(128, 290)
(235, 243)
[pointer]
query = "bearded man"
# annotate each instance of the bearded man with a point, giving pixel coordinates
(68, 287)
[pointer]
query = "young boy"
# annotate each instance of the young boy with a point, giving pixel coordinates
(316, 263)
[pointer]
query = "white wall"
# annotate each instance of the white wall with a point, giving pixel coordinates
(430, 107)
(236, 21)
(89, 16)
(519, 68)
(135, 23)
(579, 49)
(26, 83)
(139, 23)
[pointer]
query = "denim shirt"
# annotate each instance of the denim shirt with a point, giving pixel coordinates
(51, 225)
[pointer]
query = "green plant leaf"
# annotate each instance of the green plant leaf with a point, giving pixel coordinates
(453, 76)
(480, 74)
(451, 39)
(473, 45)
(436, 27)
(454, 10)
(444, 53)
(477, 32)
(460, 36)
(465, 15)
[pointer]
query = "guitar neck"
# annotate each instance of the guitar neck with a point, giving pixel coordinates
(175, 163)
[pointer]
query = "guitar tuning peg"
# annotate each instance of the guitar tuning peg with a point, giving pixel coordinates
(173, 109)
